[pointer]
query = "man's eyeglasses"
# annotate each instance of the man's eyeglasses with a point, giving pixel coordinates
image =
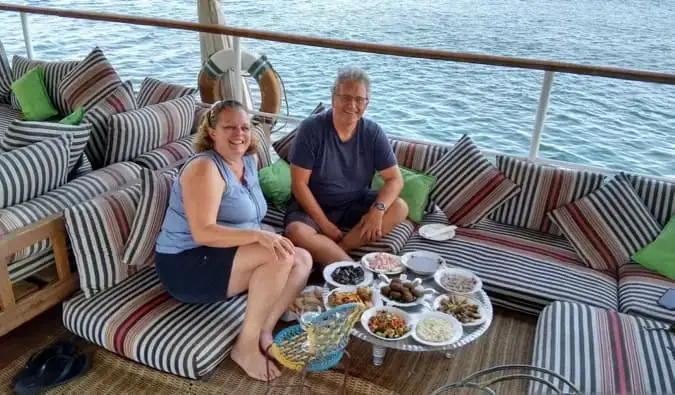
(360, 101)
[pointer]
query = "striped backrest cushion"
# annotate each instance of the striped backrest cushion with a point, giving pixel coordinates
(155, 191)
(22, 133)
(468, 186)
(54, 73)
(543, 189)
(98, 229)
(263, 151)
(91, 81)
(154, 91)
(416, 156)
(167, 154)
(6, 76)
(120, 100)
(136, 132)
(32, 170)
(658, 196)
(283, 145)
(200, 111)
(607, 226)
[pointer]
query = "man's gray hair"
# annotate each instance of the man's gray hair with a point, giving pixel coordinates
(351, 73)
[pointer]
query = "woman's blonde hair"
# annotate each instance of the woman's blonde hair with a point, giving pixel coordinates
(203, 141)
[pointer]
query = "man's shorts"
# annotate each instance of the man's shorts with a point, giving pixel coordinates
(344, 217)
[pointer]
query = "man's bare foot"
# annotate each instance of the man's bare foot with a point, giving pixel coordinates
(266, 340)
(254, 363)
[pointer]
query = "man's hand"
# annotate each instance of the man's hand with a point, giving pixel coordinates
(371, 225)
(330, 230)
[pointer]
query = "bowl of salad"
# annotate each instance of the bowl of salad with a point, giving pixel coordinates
(387, 323)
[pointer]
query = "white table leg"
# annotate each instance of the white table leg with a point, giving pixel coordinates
(378, 355)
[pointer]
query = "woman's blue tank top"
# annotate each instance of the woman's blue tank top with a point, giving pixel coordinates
(242, 206)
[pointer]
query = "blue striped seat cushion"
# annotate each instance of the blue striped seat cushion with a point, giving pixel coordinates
(139, 320)
(30, 171)
(603, 352)
(22, 133)
(53, 202)
(521, 269)
(640, 290)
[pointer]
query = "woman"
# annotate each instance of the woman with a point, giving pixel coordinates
(211, 246)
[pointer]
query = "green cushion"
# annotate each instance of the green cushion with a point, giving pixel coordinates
(659, 255)
(31, 93)
(275, 181)
(416, 188)
(75, 118)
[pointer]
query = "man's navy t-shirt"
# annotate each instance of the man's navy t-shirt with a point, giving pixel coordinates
(341, 171)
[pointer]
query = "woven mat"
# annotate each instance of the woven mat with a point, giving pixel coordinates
(112, 374)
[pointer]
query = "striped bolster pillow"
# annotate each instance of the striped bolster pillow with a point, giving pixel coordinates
(133, 133)
(32, 170)
(155, 191)
(22, 133)
(608, 226)
(154, 91)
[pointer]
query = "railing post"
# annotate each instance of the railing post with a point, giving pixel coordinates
(26, 35)
(237, 69)
(541, 115)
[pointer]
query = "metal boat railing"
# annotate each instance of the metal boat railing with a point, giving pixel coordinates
(549, 67)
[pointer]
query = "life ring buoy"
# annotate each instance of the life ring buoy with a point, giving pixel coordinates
(256, 65)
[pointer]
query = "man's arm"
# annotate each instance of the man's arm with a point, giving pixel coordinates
(393, 185)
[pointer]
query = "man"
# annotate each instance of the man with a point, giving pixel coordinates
(333, 160)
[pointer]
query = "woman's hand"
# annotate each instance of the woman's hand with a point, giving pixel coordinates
(280, 247)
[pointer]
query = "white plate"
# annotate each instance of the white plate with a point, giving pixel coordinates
(328, 271)
(288, 316)
(481, 309)
(366, 260)
(434, 261)
(365, 317)
(426, 230)
(457, 330)
(460, 272)
(418, 301)
(376, 300)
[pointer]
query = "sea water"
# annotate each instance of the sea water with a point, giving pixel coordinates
(605, 122)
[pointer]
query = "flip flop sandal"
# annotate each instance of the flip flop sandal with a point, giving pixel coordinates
(39, 358)
(56, 371)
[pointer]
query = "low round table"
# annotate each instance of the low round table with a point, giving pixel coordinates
(409, 344)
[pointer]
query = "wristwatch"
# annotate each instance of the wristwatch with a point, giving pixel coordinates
(380, 206)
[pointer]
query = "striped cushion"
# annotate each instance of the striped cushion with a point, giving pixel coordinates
(607, 226)
(264, 153)
(91, 81)
(138, 319)
(22, 133)
(274, 218)
(417, 156)
(54, 73)
(7, 115)
(51, 203)
(120, 100)
(658, 196)
(27, 267)
(32, 170)
(82, 168)
(6, 76)
(155, 191)
(392, 242)
(154, 91)
(602, 351)
(167, 154)
(283, 145)
(468, 187)
(200, 110)
(640, 290)
(522, 269)
(136, 132)
(543, 189)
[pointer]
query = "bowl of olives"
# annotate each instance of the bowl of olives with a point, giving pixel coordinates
(402, 292)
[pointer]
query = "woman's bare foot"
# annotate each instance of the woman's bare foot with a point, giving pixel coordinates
(266, 340)
(254, 363)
